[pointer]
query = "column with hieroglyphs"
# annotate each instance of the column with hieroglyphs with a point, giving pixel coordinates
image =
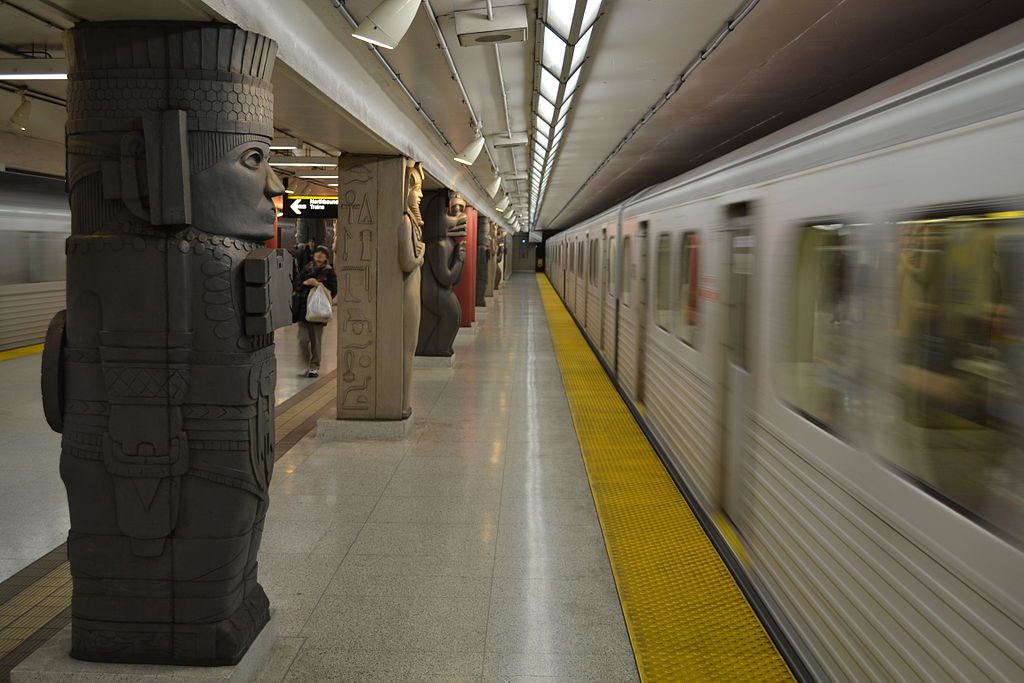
(377, 262)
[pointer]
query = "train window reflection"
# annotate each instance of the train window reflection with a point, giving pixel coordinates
(688, 304)
(627, 264)
(959, 375)
(822, 380)
(663, 302)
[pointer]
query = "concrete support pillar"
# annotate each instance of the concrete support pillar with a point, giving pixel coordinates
(379, 288)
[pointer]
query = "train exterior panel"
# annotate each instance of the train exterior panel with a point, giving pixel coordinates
(34, 223)
(823, 331)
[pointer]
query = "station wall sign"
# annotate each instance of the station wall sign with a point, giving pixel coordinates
(296, 206)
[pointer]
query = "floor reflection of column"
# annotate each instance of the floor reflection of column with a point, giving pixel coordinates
(292, 360)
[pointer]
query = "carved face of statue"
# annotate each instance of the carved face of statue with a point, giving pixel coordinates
(235, 196)
(415, 194)
(457, 206)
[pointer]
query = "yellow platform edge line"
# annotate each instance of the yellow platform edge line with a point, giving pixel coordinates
(29, 603)
(20, 352)
(687, 618)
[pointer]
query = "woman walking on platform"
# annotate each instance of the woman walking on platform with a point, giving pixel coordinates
(315, 272)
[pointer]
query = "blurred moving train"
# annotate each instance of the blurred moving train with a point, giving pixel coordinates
(824, 333)
(35, 221)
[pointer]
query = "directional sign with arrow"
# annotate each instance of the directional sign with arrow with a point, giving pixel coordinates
(310, 207)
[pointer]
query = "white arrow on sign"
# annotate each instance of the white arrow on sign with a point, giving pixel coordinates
(298, 206)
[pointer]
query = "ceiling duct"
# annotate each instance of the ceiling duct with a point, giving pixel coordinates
(503, 140)
(509, 25)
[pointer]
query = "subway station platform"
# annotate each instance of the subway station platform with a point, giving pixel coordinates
(526, 530)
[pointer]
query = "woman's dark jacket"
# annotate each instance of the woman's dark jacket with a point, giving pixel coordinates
(324, 274)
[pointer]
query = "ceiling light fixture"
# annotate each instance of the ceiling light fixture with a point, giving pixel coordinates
(32, 77)
(33, 69)
(387, 23)
(565, 37)
(494, 187)
(469, 154)
(503, 204)
(284, 143)
(19, 119)
(303, 162)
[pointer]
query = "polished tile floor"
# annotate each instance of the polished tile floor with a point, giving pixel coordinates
(33, 506)
(469, 552)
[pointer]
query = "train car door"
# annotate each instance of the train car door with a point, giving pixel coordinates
(602, 277)
(738, 385)
(584, 271)
(563, 261)
(641, 311)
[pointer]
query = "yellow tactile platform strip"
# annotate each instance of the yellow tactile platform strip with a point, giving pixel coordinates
(687, 619)
(33, 601)
(19, 352)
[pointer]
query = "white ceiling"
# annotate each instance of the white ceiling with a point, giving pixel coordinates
(786, 59)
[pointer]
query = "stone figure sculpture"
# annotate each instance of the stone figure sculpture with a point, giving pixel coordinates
(411, 251)
(492, 263)
(483, 259)
(444, 221)
(499, 262)
(161, 372)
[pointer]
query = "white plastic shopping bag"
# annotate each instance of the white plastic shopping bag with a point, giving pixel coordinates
(318, 305)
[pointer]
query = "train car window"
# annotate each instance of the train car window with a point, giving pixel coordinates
(822, 374)
(688, 303)
(958, 375)
(627, 265)
(663, 298)
(611, 265)
(595, 260)
(579, 259)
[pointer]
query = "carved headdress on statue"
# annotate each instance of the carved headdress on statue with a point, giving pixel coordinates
(153, 104)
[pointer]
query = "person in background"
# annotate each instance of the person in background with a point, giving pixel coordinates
(316, 271)
(304, 254)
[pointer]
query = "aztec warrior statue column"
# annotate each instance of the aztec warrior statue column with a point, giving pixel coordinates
(161, 375)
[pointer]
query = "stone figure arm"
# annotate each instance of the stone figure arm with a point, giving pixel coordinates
(409, 256)
(458, 262)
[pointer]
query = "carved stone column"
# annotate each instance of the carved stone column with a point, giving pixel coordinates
(465, 289)
(161, 372)
(379, 251)
(483, 259)
(492, 258)
(503, 264)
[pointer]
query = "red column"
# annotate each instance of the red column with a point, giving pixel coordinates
(466, 287)
(274, 241)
